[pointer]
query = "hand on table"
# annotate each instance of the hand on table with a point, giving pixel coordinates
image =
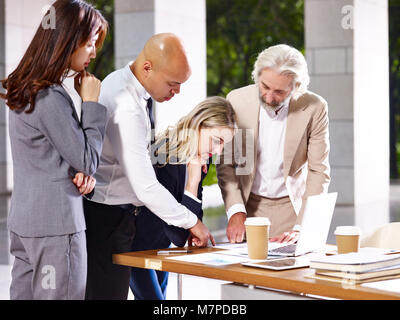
(235, 230)
(200, 235)
(286, 237)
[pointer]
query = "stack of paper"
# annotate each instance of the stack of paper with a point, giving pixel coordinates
(357, 267)
(211, 258)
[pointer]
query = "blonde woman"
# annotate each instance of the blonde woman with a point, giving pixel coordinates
(181, 155)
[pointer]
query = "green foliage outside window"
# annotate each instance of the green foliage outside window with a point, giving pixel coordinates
(236, 32)
(394, 73)
(104, 62)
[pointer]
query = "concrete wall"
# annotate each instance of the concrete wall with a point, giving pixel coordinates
(347, 50)
(21, 19)
(3, 133)
(329, 52)
(4, 239)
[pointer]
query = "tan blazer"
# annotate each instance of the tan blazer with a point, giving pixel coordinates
(306, 150)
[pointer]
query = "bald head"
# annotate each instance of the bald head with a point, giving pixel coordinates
(162, 66)
(163, 49)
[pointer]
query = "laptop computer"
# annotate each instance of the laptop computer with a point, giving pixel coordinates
(317, 219)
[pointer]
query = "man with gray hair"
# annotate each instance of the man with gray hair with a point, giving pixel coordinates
(289, 147)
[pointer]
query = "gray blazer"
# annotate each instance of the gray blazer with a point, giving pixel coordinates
(49, 146)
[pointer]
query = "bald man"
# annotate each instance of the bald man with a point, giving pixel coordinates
(125, 178)
(162, 66)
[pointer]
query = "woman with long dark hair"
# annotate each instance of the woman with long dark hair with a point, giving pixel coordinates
(56, 128)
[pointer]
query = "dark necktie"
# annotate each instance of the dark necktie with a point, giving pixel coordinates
(277, 111)
(150, 110)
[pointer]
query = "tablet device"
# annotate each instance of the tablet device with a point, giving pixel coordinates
(279, 264)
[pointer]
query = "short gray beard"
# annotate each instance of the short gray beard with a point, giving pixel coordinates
(268, 107)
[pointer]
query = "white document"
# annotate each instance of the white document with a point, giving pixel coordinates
(211, 259)
(240, 249)
(386, 285)
(243, 246)
(231, 246)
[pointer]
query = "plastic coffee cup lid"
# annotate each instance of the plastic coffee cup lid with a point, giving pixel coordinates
(347, 231)
(257, 221)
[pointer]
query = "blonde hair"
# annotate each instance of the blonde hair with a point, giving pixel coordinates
(179, 143)
(287, 61)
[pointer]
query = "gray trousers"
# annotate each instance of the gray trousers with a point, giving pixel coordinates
(49, 268)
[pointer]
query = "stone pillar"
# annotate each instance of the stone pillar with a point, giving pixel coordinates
(347, 51)
(371, 112)
(4, 256)
(137, 20)
(19, 20)
(3, 133)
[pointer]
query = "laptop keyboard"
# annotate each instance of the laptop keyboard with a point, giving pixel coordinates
(290, 248)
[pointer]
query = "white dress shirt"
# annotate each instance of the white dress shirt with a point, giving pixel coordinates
(126, 174)
(189, 194)
(69, 86)
(269, 180)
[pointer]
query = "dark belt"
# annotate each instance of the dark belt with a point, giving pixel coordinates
(128, 208)
(274, 199)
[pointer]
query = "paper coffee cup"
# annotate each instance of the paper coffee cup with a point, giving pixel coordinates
(347, 239)
(257, 233)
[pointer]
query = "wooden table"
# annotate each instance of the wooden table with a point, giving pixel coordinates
(289, 280)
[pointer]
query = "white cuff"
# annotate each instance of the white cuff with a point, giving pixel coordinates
(190, 195)
(297, 227)
(192, 220)
(237, 207)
